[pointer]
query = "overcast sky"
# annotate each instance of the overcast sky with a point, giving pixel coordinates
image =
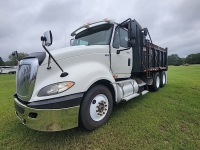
(172, 23)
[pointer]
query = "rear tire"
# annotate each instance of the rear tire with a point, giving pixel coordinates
(162, 79)
(156, 82)
(96, 107)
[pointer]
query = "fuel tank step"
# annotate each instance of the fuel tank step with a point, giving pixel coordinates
(130, 96)
(144, 92)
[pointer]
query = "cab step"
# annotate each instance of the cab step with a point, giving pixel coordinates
(127, 98)
(144, 92)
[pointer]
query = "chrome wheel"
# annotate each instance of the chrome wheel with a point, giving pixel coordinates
(164, 79)
(157, 81)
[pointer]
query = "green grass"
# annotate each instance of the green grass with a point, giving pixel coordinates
(167, 119)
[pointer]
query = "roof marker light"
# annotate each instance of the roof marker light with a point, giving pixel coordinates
(87, 25)
(106, 20)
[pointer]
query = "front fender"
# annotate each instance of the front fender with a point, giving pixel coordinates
(94, 73)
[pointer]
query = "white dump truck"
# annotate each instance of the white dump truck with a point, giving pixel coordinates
(107, 63)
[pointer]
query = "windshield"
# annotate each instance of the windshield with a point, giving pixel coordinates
(98, 35)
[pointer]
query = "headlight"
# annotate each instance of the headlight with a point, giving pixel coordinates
(55, 88)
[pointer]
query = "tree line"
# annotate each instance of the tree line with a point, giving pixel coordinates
(12, 60)
(175, 60)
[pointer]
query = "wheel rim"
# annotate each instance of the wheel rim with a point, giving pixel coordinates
(99, 107)
(157, 81)
(164, 79)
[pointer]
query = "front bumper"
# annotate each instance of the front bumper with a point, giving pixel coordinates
(49, 115)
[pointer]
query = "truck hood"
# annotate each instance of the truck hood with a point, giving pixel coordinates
(74, 51)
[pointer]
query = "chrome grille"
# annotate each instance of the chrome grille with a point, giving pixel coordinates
(26, 76)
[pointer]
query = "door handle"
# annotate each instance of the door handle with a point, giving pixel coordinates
(129, 62)
(107, 54)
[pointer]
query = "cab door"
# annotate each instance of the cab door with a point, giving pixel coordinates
(121, 54)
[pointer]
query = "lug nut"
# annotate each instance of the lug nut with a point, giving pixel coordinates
(94, 101)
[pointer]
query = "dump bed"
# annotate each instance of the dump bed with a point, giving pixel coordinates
(154, 57)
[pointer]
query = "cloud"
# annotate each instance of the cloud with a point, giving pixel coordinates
(172, 24)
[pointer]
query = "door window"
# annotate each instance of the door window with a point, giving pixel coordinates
(120, 38)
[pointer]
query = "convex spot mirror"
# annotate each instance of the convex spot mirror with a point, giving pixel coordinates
(47, 38)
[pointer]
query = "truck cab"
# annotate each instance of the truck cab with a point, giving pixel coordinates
(107, 63)
(116, 38)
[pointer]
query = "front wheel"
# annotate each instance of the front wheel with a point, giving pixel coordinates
(96, 107)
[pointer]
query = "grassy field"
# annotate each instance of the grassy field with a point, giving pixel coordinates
(167, 119)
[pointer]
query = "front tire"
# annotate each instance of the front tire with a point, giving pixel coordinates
(96, 107)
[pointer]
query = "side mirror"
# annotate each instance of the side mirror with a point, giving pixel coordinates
(145, 31)
(71, 42)
(47, 38)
